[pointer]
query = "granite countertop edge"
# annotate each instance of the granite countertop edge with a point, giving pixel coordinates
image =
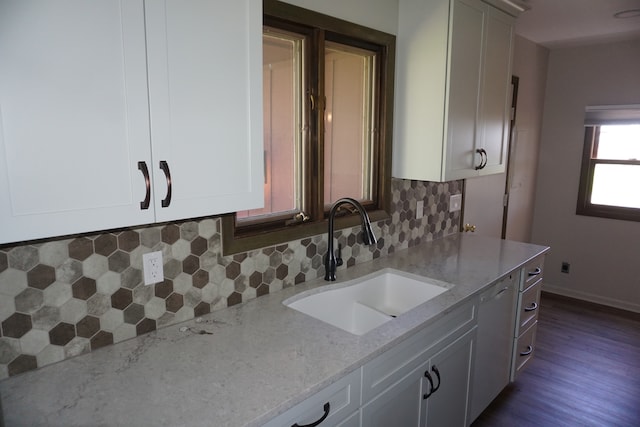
(246, 364)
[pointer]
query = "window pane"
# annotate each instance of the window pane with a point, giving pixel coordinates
(350, 96)
(613, 185)
(619, 142)
(282, 74)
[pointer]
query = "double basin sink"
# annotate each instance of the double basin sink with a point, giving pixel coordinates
(360, 305)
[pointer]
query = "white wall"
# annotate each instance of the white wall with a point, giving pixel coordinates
(530, 65)
(604, 253)
(378, 14)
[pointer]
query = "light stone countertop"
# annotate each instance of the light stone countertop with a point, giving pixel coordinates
(260, 359)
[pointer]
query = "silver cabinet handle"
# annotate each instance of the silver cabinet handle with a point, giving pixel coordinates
(527, 352)
(167, 174)
(535, 272)
(142, 167)
(532, 307)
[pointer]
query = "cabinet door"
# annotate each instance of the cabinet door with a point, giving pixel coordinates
(206, 105)
(73, 117)
(496, 96)
(448, 405)
(400, 405)
(464, 88)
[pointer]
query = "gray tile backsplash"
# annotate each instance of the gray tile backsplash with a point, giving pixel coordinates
(61, 298)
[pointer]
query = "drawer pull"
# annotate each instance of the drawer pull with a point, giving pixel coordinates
(327, 408)
(435, 371)
(432, 389)
(532, 307)
(430, 392)
(527, 352)
(535, 272)
(165, 168)
(142, 167)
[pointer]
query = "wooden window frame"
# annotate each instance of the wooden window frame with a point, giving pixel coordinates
(322, 27)
(584, 205)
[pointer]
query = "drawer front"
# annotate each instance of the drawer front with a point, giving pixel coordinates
(529, 305)
(397, 362)
(532, 271)
(523, 350)
(334, 405)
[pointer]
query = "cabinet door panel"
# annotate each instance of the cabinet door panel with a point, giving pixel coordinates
(205, 100)
(448, 406)
(496, 90)
(464, 87)
(73, 117)
(400, 405)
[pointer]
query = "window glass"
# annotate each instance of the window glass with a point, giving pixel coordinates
(610, 167)
(282, 80)
(620, 142)
(609, 185)
(348, 121)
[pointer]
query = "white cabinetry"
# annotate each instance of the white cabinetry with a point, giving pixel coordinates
(452, 91)
(423, 381)
(336, 405)
(527, 315)
(92, 93)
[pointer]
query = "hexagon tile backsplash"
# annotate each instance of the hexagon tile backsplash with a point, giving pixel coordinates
(62, 298)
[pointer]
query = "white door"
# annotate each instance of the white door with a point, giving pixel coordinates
(73, 117)
(484, 204)
(205, 92)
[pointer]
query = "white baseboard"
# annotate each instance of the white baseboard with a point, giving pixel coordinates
(624, 305)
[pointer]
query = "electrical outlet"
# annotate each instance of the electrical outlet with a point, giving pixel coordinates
(419, 209)
(455, 202)
(565, 267)
(152, 266)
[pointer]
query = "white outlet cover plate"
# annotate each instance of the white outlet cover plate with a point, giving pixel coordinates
(152, 266)
(419, 209)
(455, 202)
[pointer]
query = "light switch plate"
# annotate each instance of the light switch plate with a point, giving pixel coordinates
(455, 202)
(419, 209)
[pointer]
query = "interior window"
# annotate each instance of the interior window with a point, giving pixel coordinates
(327, 110)
(611, 160)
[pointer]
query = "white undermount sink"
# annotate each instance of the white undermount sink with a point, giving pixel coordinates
(361, 304)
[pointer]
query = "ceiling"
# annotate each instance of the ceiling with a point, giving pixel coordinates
(563, 23)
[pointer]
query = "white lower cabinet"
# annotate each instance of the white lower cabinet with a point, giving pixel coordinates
(448, 403)
(434, 394)
(400, 405)
(524, 342)
(422, 381)
(335, 405)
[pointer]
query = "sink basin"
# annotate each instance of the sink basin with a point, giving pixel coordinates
(362, 304)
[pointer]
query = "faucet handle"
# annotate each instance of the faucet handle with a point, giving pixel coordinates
(339, 255)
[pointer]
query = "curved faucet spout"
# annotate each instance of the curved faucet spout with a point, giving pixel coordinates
(368, 237)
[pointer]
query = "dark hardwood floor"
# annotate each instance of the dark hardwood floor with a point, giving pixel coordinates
(585, 371)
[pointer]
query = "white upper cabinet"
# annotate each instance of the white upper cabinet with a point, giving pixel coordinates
(93, 93)
(205, 93)
(452, 90)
